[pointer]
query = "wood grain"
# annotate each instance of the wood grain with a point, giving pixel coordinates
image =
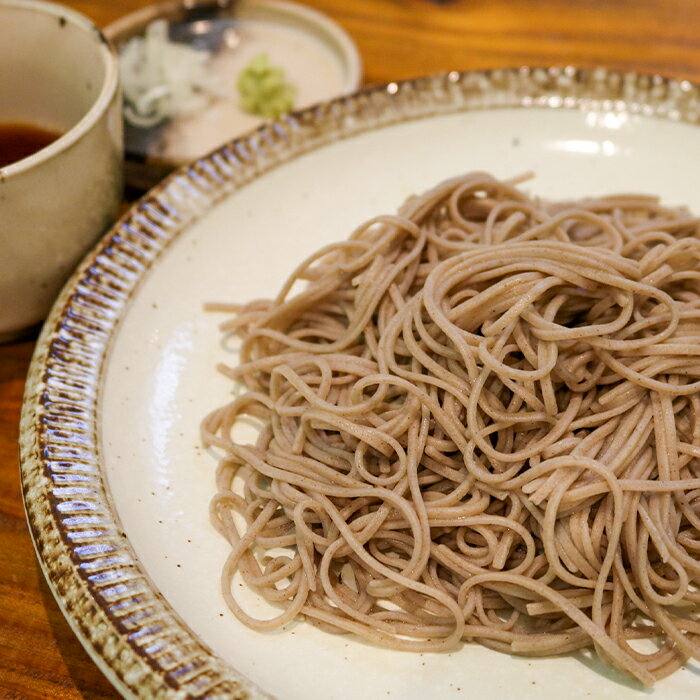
(39, 655)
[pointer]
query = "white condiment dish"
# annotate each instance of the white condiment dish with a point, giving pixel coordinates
(58, 73)
(317, 56)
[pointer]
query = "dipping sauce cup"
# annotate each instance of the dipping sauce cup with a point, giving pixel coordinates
(60, 77)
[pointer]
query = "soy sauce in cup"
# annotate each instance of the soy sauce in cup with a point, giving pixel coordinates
(19, 140)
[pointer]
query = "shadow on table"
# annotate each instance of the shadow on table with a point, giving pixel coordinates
(86, 676)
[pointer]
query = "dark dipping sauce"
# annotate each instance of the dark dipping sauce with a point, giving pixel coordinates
(19, 140)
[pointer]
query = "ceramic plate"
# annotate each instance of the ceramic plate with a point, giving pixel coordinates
(116, 484)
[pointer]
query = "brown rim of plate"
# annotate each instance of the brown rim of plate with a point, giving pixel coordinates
(143, 647)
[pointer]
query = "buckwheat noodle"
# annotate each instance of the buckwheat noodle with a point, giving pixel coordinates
(479, 420)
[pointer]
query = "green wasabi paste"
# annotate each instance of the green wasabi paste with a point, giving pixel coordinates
(264, 90)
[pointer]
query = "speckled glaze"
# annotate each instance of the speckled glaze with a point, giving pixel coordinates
(130, 630)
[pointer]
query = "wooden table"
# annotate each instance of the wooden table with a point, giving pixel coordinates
(39, 655)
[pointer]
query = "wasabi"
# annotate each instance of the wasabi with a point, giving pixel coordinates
(264, 90)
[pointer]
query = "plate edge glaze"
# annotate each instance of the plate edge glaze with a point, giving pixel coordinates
(125, 624)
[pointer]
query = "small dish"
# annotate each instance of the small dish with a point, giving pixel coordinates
(318, 58)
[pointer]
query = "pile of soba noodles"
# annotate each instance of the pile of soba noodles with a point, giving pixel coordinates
(479, 420)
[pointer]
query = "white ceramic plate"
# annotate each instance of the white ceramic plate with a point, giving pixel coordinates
(116, 485)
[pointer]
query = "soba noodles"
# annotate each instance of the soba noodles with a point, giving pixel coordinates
(479, 420)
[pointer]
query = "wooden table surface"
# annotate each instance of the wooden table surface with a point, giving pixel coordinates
(39, 655)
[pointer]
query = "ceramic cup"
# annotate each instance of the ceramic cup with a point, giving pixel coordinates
(59, 73)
